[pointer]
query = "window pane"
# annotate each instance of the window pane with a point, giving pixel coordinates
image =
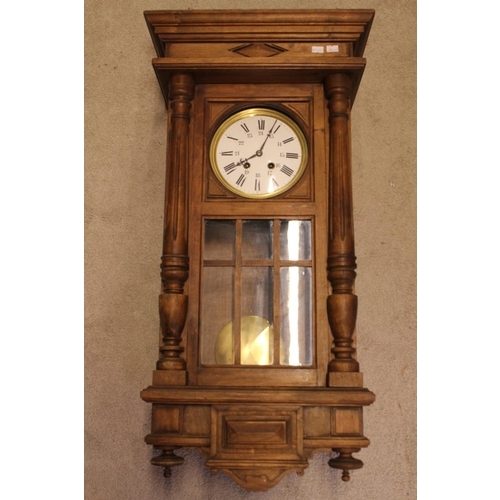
(296, 316)
(256, 316)
(249, 287)
(219, 239)
(257, 242)
(295, 240)
(217, 308)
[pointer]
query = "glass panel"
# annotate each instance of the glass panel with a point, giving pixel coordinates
(296, 316)
(295, 240)
(256, 316)
(250, 329)
(217, 308)
(257, 241)
(219, 239)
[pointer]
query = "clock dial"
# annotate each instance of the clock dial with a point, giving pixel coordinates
(258, 153)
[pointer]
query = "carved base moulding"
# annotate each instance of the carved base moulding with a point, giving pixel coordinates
(257, 437)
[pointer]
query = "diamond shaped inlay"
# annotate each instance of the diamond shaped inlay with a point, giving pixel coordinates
(258, 50)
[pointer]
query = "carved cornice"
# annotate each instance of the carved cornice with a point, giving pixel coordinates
(273, 25)
(259, 46)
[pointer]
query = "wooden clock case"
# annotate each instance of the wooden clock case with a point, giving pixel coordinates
(258, 423)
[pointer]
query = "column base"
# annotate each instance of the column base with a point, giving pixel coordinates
(169, 377)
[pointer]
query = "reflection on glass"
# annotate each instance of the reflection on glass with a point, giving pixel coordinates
(257, 239)
(295, 240)
(257, 311)
(217, 308)
(296, 316)
(257, 292)
(256, 342)
(219, 239)
(238, 291)
(257, 348)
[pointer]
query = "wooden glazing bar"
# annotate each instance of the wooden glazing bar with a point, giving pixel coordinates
(237, 294)
(276, 293)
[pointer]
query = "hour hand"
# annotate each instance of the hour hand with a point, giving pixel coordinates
(241, 162)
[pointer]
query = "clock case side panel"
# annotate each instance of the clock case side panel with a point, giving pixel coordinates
(212, 105)
(195, 179)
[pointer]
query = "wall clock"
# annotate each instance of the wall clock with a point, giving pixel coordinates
(257, 367)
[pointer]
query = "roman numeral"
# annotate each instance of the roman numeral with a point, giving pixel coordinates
(288, 140)
(244, 127)
(233, 138)
(274, 182)
(262, 124)
(257, 185)
(241, 180)
(230, 153)
(295, 156)
(287, 170)
(230, 168)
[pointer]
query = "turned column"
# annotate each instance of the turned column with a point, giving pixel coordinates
(342, 303)
(175, 261)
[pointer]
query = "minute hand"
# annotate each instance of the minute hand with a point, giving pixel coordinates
(268, 135)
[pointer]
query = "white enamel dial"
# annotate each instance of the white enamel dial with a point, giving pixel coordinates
(258, 153)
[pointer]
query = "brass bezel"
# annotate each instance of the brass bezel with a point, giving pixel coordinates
(259, 111)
